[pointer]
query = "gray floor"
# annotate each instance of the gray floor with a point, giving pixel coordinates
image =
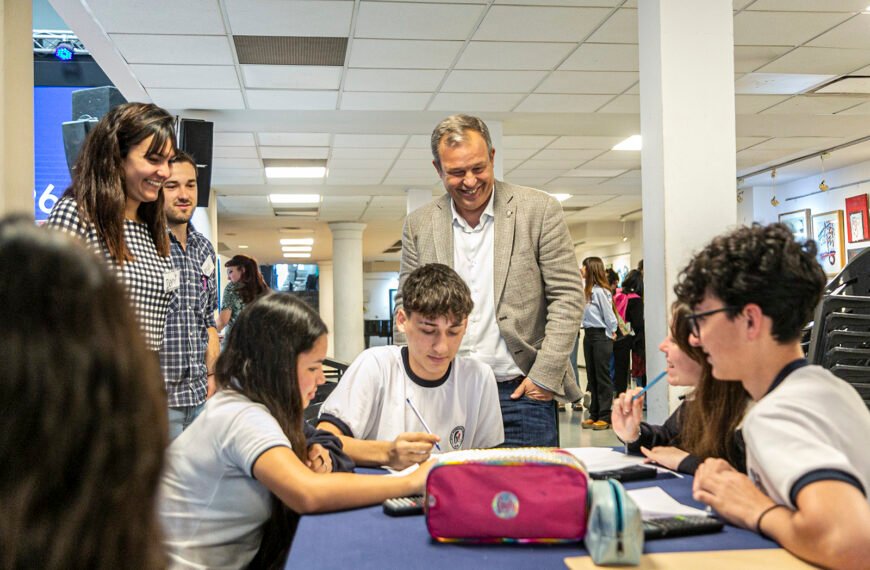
(572, 435)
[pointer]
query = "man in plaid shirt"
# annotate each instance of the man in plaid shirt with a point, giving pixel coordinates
(190, 341)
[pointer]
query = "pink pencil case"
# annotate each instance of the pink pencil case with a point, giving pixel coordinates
(507, 495)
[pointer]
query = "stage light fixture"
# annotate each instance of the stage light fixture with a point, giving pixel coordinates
(64, 51)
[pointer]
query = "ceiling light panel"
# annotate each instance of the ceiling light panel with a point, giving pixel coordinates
(603, 57)
(409, 54)
(513, 55)
(174, 50)
(323, 18)
(413, 21)
(293, 139)
(424, 80)
(164, 17)
(539, 24)
(292, 100)
(381, 101)
(186, 76)
(296, 241)
(291, 76)
(198, 98)
(475, 102)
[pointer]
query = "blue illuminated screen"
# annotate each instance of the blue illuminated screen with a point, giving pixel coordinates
(51, 107)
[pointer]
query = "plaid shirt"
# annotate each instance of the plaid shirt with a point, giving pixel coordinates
(191, 313)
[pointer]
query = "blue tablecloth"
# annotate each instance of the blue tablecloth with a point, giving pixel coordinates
(367, 538)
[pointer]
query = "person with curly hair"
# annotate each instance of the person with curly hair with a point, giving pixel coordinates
(751, 291)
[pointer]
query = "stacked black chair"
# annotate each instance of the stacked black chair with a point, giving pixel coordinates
(839, 338)
(333, 370)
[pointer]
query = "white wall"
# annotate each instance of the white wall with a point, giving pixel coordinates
(376, 290)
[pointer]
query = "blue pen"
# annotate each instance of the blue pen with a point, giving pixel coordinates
(422, 421)
(649, 385)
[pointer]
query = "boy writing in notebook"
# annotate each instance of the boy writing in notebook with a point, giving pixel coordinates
(808, 463)
(391, 397)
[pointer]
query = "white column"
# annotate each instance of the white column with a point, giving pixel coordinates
(347, 262)
(688, 162)
(327, 302)
(16, 108)
(418, 197)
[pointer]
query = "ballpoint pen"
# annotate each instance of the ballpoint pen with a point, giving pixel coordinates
(422, 421)
(641, 393)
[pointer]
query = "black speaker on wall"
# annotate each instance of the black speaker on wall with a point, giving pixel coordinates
(88, 105)
(196, 138)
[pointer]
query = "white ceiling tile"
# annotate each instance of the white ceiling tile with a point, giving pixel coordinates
(302, 152)
(620, 28)
(323, 18)
(257, 205)
(578, 184)
(230, 163)
(475, 102)
(587, 142)
(291, 76)
(421, 80)
(373, 141)
(750, 58)
(813, 105)
(192, 17)
(179, 50)
(565, 164)
(293, 139)
(578, 3)
(384, 101)
(234, 152)
(539, 23)
(611, 163)
(552, 153)
(233, 139)
(622, 104)
(297, 100)
(541, 103)
(827, 61)
(414, 54)
(413, 177)
(751, 104)
(862, 109)
(542, 173)
(594, 82)
(777, 83)
(529, 180)
(410, 164)
(754, 157)
(416, 154)
(740, 4)
(354, 177)
(797, 143)
(238, 173)
(186, 76)
(414, 21)
(368, 164)
(198, 98)
(592, 173)
(746, 142)
(509, 165)
(603, 57)
(781, 28)
(515, 153)
(851, 34)
(492, 81)
(513, 55)
(809, 5)
(526, 141)
(367, 152)
(221, 181)
(419, 141)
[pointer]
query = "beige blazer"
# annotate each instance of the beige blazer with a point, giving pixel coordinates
(536, 279)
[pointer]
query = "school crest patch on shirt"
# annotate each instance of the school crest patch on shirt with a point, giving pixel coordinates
(457, 436)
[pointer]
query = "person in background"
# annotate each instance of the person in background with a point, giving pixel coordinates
(751, 291)
(115, 206)
(612, 281)
(629, 306)
(246, 285)
(705, 425)
(599, 330)
(232, 475)
(83, 428)
(190, 341)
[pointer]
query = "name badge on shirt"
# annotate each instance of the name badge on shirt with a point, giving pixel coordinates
(207, 266)
(171, 280)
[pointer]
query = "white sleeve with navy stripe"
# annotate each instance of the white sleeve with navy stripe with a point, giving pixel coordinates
(811, 427)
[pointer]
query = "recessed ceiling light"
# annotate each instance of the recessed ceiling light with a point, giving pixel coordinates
(296, 241)
(294, 198)
(243, 247)
(561, 197)
(297, 248)
(297, 255)
(631, 143)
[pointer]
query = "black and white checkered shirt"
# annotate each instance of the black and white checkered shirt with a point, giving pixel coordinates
(191, 314)
(142, 278)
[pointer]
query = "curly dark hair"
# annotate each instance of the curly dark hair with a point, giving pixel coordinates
(435, 290)
(758, 264)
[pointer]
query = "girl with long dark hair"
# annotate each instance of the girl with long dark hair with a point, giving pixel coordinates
(246, 286)
(706, 423)
(599, 330)
(115, 205)
(236, 470)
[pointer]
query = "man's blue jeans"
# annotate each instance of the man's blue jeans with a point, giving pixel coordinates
(180, 418)
(527, 422)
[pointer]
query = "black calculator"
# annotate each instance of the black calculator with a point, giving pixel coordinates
(404, 506)
(680, 525)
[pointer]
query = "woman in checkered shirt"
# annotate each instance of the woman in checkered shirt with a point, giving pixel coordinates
(115, 205)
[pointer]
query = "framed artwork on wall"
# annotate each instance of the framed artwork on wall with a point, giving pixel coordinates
(856, 216)
(828, 233)
(798, 222)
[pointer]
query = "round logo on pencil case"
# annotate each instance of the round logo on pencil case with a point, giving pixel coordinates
(505, 505)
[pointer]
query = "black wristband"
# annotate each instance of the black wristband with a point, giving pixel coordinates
(761, 516)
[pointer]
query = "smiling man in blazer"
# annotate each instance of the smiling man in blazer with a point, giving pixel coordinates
(512, 246)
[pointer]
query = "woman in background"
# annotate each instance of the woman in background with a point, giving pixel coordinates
(599, 330)
(246, 286)
(629, 305)
(83, 428)
(115, 206)
(706, 423)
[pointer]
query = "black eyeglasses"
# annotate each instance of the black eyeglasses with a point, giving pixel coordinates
(695, 318)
